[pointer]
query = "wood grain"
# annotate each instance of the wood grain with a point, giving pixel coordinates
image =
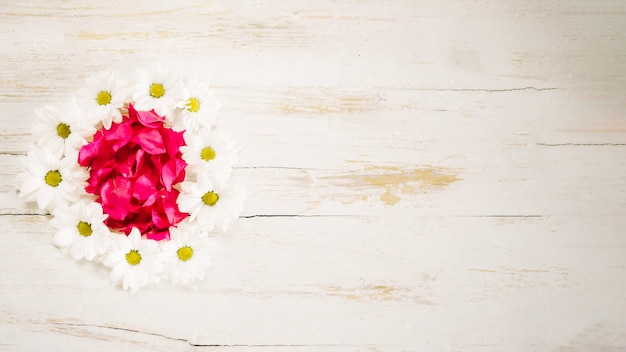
(420, 175)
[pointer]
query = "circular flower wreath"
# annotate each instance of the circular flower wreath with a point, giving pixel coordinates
(136, 175)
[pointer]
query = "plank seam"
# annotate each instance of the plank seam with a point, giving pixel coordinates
(581, 144)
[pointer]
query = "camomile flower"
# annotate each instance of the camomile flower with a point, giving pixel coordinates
(158, 89)
(51, 180)
(211, 203)
(196, 107)
(187, 255)
(62, 128)
(210, 151)
(103, 95)
(134, 261)
(81, 230)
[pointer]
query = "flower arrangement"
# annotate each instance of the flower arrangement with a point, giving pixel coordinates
(136, 175)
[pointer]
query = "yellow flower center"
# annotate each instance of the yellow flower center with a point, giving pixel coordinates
(193, 104)
(103, 98)
(207, 154)
(63, 130)
(157, 90)
(185, 253)
(53, 178)
(84, 229)
(133, 257)
(210, 198)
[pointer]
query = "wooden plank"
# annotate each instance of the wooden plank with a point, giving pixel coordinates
(421, 175)
(377, 121)
(356, 276)
(547, 180)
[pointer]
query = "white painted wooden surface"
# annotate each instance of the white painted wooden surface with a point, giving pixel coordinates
(422, 176)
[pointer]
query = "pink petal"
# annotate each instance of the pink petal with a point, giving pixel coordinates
(159, 217)
(99, 173)
(139, 159)
(143, 219)
(150, 140)
(88, 152)
(170, 207)
(145, 187)
(151, 199)
(159, 235)
(156, 163)
(119, 135)
(133, 168)
(173, 141)
(123, 162)
(103, 159)
(116, 194)
(173, 172)
(132, 113)
(114, 223)
(147, 118)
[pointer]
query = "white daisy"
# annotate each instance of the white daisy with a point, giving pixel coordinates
(134, 261)
(103, 96)
(51, 180)
(210, 152)
(210, 202)
(196, 106)
(157, 89)
(63, 128)
(187, 255)
(81, 230)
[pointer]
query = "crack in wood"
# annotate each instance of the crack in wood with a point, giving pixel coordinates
(581, 144)
(484, 89)
(117, 328)
(509, 216)
(294, 216)
(334, 215)
(268, 167)
(312, 215)
(283, 168)
(24, 214)
(294, 345)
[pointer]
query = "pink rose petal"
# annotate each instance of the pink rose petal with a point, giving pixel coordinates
(150, 140)
(116, 194)
(173, 172)
(133, 168)
(147, 118)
